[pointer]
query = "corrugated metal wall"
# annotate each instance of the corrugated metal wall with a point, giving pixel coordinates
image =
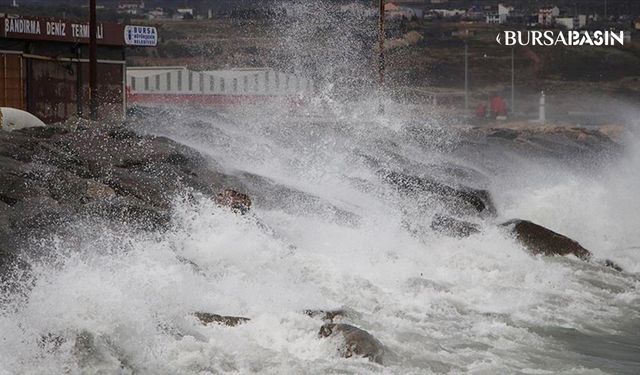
(12, 81)
(240, 82)
(53, 89)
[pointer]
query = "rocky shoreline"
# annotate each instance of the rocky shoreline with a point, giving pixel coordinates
(51, 175)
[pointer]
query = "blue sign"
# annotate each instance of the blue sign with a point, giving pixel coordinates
(140, 36)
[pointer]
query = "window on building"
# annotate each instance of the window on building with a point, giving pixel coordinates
(146, 83)
(201, 82)
(222, 84)
(180, 80)
(212, 84)
(246, 83)
(133, 83)
(190, 81)
(235, 85)
(157, 81)
(168, 81)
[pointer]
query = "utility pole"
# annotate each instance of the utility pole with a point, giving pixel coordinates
(513, 81)
(93, 61)
(466, 77)
(381, 65)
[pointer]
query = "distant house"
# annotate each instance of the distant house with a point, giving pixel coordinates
(571, 23)
(475, 13)
(493, 18)
(131, 7)
(637, 24)
(394, 11)
(547, 15)
(449, 13)
(499, 14)
(157, 13)
(184, 13)
(391, 7)
(568, 23)
(582, 20)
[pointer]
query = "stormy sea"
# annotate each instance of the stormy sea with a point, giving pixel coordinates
(375, 242)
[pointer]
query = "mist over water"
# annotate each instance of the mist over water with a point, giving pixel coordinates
(327, 232)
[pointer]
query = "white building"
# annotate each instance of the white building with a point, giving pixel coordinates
(568, 23)
(448, 13)
(157, 13)
(499, 15)
(493, 18)
(133, 8)
(185, 11)
(504, 12)
(547, 16)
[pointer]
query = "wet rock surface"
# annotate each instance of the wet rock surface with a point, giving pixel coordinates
(327, 315)
(52, 174)
(453, 227)
(560, 142)
(231, 321)
(357, 342)
(540, 240)
(460, 200)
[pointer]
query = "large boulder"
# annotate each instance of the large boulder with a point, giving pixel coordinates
(461, 200)
(540, 240)
(356, 342)
(52, 174)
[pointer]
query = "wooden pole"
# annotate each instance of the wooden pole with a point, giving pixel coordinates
(93, 61)
(381, 62)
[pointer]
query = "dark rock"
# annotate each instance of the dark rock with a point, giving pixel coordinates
(37, 213)
(540, 240)
(453, 227)
(272, 195)
(53, 174)
(236, 201)
(357, 342)
(461, 200)
(231, 321)
(326, 315)
(130, 210)
(612, 264)
(96, 190)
